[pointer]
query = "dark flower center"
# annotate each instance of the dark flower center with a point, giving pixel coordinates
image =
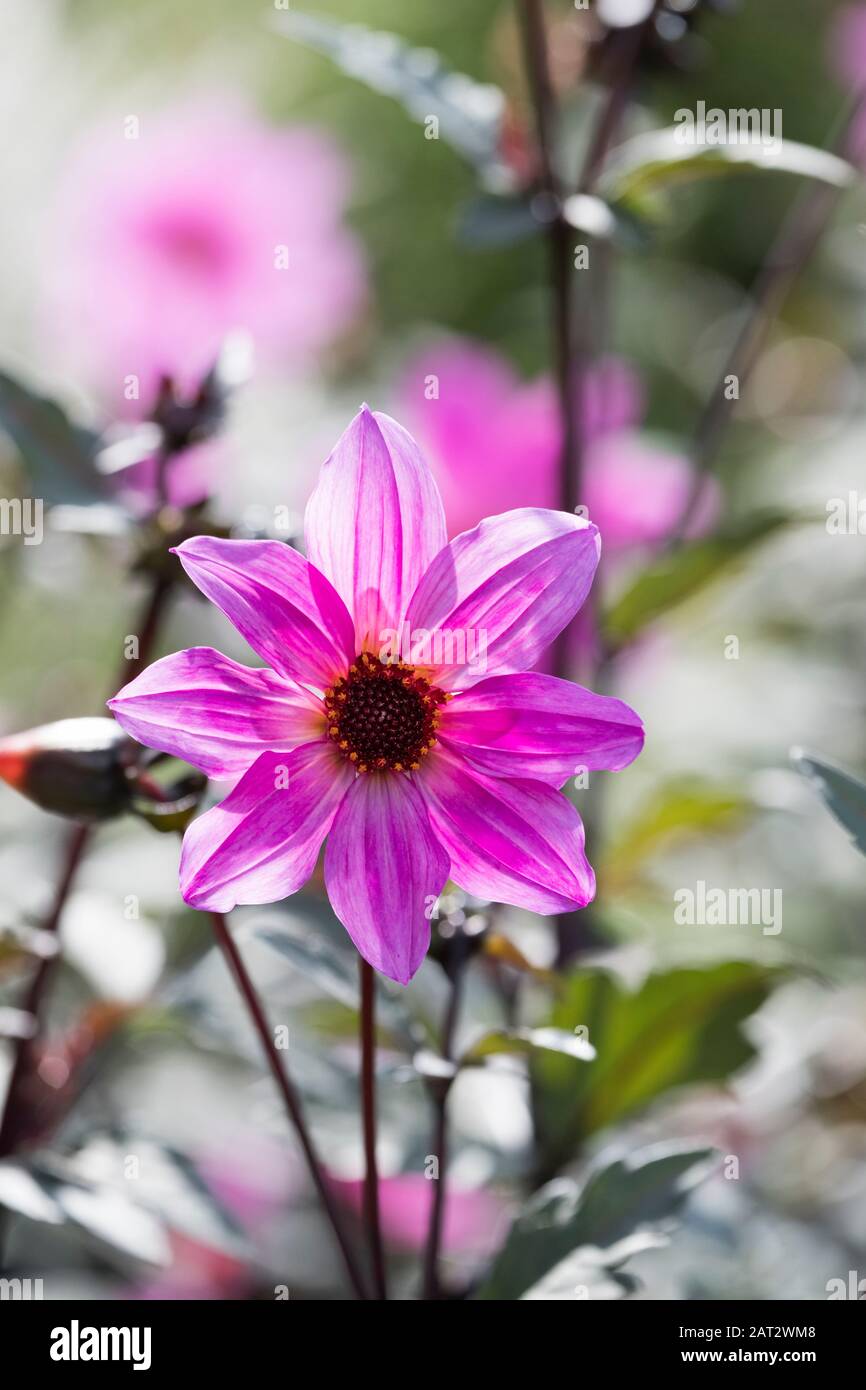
(383, 717)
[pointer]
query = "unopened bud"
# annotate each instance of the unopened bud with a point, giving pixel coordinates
(80, 768)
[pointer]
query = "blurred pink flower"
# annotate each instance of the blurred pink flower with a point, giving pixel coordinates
(847, 53)
(847, 44)
(493, 442)
(472, 1215)
(191, 477)
(170, 240)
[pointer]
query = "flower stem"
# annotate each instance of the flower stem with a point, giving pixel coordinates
(439, 1140)
(571, 315)
(14, 1118)
(368, 1105)
(13, 1126)
(294, 1110)
(794, 245)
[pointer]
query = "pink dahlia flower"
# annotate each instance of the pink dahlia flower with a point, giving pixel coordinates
(473, 1216)
(495, 441)
(397, 715)
(205, 222)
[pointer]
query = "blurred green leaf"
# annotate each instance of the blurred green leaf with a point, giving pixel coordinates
(112, 1224)
(57, 454)
(316, 945)
(588, 1274)
(489, 220)
(524, 1041)
(642, 169)
(643, 1190)
(498, 220)
(165, 1183)
(673, 578)
(681, 1027)
(469, 113)
(843, 794)
(676, 811)
(314, 956)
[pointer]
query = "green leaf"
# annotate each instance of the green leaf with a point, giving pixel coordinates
(317, 947)
(673, 578)
(525, 1041)
(57, 454)
(492, 221)
(116, 1227)
(166, 1184)
(677, 811)
(469, 112)
(646, 1189)
(592, 1274)
(644, 168)
(125, 1215)
(681, 1027)
(311, 953)
(843, 794)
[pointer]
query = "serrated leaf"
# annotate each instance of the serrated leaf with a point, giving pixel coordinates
(646, 1189)
(524, 1041)
(593, 1274)
(671, 579)
(59, 456)
(681, 1027)
(844, 795)
(645, 167)
(469, 113)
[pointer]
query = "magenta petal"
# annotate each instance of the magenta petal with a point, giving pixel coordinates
(286, 610)
(384, 870)
(539, 727)
(374, 523)
(504, 590)
(261, 843)
(516, 842)
(218, 715)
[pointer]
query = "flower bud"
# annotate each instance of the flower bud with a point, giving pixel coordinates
(80, 768)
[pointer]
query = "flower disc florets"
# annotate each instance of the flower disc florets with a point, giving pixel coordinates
(383, 716)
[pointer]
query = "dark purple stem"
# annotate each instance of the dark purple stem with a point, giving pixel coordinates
(793, 247)
(368, 1109)
(294, 1110)
(572, 323)
(439, 1141)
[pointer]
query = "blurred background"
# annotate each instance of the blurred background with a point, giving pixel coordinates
(156, 159)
